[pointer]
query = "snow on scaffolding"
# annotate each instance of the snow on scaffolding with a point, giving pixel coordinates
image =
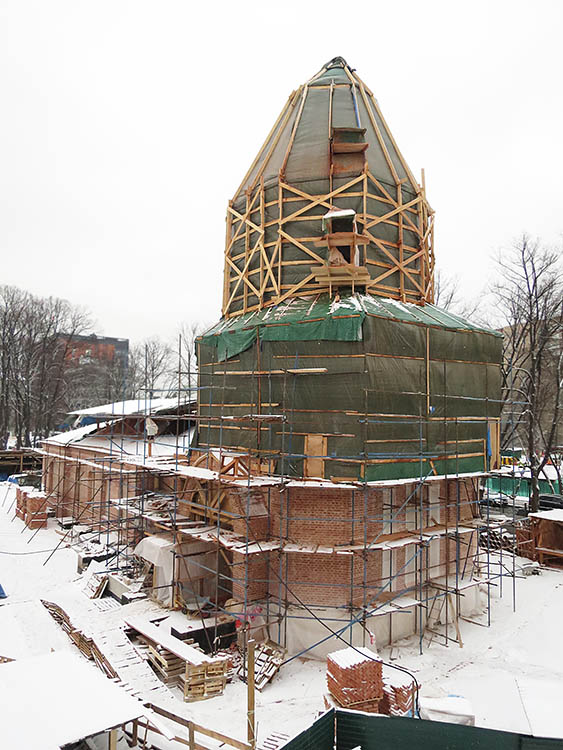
(130, 407)
(229, 540)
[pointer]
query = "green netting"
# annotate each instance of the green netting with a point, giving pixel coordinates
(323, 319)
(296, 320)
(373, 391)
(319, 736)
(236, 342)
(424, 468)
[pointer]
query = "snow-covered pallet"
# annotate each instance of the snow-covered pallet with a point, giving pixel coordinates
(274, 741)
(108, 646)
(268, 658)
(96, 586)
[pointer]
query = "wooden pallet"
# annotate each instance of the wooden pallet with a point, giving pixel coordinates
(200, 676)
(96, 585)
(274, 741)
(268, 658)
(168, 666)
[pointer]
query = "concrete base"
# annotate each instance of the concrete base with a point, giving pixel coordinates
(301, 630)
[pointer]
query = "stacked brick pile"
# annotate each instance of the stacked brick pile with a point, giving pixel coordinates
(399, 693)
(31, 507)
(21, 502)
(355, 678)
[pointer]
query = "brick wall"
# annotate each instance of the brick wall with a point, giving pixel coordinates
(458, 501)
(329, 579)
(331, 516)
(328, 517)
(257, 566)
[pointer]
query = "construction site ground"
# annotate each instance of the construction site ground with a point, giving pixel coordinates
(503, 670)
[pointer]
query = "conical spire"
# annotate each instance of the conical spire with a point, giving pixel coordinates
(330, 150)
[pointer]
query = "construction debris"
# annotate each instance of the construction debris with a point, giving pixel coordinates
(400, 692)
(111, 650)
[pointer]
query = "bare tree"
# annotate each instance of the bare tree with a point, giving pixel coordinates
(446, 290)
(11, 312)
(447, 295)
(530, 298)
(33, 367)
(187, 359)
(98, 381)
(61, 322)
(150, 365)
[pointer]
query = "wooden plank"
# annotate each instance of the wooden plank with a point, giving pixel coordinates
(189, 654)
(251, 734)
(261, 373)
(315, 453)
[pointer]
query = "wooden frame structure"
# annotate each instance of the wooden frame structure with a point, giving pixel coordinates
(272, 238)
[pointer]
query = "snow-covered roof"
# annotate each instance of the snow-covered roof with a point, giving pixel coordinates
(549, 515)
(115, 442)
(74, 436)
(130, 407)
(71, 700)
(131, 445)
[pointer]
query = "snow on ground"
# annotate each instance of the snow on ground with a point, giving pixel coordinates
(26, 628)
(496, 668)
(497, 665)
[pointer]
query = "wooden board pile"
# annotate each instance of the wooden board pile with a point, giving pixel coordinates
(355, 679)
(167, 665)
(204, 680)
(200, 676)
(114, 654)
(31, 507)
(86, 644)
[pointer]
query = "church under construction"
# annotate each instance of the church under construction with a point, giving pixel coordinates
(343, 424)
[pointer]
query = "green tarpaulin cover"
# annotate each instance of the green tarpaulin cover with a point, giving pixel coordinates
(322, 319)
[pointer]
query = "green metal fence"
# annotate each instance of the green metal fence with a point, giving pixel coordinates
(519, 486)
(346, 730)
(319, 736)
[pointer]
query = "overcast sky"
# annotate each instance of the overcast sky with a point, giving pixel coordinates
(125, 128)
